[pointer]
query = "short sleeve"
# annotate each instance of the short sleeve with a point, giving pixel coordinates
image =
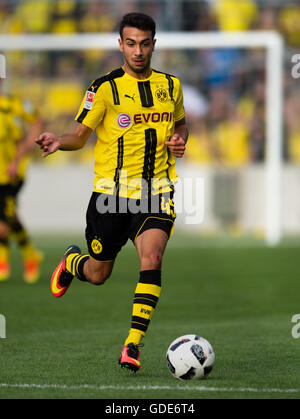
(92, 109)
(179, 107)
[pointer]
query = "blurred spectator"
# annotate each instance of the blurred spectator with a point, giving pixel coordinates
(232, 141)
(267, 19)
(158, 11)
(235, 15)
(3, 17)
(251, 109)
(96, 17)
(258, 122)
(63, 91)
(196, 16)
(199, 149)
(32, 16)
(292, 112)
(233, 91)
(221, 67)
(258, 137)
(220, 106)
(64, 16)
(289, 24)
(120, 8)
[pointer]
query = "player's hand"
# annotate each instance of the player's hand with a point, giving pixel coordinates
(176, 145)
(48, 143)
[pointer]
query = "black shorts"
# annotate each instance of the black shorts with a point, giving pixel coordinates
(8, 204)
(111, 222)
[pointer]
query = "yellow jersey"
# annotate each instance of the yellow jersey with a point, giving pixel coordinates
(289, 24)
(235, 15)
(133, 120)
(232, 143)
(14, 115)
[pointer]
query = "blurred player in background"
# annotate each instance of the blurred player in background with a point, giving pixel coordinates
(19, 125)
(140, 120)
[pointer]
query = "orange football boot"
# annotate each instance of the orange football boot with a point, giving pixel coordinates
(4, 270)
(32, 267)
(130, 357)
(4, 263)
(61, 279)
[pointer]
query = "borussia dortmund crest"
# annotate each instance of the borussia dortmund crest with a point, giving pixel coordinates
(96, 246)
(161, 95)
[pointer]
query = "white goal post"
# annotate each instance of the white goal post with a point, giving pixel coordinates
(271, 41)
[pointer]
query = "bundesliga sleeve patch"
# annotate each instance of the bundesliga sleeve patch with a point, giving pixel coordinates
(89, 99)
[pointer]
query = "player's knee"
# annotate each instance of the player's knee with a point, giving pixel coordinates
(152, 260)
(4, 230)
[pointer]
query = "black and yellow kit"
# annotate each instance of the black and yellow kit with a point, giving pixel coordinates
(14, 115)
(134, 175)
(133, 120)
(106, 233)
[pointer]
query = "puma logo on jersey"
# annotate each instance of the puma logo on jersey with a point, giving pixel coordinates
(130, 97)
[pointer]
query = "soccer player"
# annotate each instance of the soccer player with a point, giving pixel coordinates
(139, 118)
(19, 126)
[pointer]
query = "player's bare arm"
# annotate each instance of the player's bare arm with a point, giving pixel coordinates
(49, 143)
(178, 141)
(25, 147)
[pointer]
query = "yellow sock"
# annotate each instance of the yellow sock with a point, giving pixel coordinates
(74, 265)
(146, 296)
(135, 337)
(19, 234)
(28, 251)
(71, 262)
(4, 252)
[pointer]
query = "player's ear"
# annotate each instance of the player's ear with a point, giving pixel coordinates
(120, 44)
(154, 42)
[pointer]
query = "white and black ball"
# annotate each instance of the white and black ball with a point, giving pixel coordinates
(190, 357)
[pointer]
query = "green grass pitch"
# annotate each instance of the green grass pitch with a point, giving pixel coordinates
(240, 296)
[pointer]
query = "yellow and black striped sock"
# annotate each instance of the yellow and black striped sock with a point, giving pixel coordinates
(146, 296)
(4, 249)
(74, 265)
(20, 235)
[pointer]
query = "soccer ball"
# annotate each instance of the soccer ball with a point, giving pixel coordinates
(190, 357)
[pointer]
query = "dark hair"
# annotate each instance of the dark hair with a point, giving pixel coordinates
(139, 21)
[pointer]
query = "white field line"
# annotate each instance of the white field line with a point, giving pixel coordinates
(149, 388)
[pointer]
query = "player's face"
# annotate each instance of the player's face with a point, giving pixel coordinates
(137, 47)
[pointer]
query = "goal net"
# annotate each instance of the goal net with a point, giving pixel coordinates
(232, 177)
